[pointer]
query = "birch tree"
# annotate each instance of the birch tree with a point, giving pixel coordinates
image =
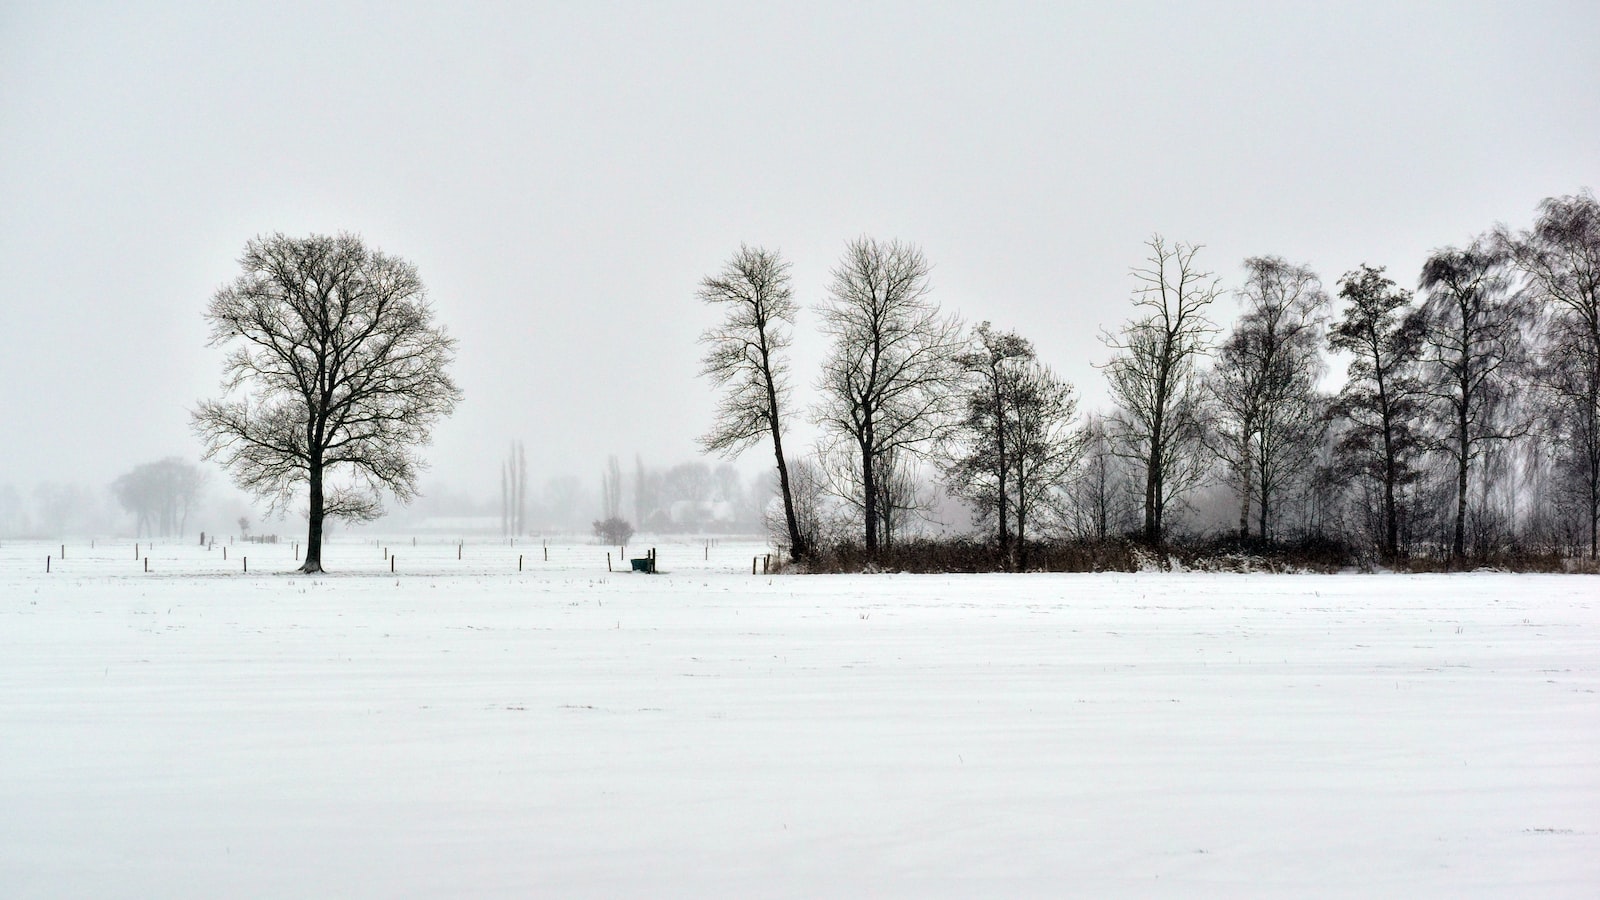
(1264, 383)
(1560, 256)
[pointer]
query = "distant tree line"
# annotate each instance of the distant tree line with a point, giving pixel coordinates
(1466, 428)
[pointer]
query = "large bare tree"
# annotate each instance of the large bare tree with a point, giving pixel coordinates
(1264, 383)
(335, 371)
(1473, 355)
(1154, 378)
(1560, 256)
(887, 382)
(1381, 401)
(745, 357)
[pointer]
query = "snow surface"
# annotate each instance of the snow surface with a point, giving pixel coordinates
(462, 729)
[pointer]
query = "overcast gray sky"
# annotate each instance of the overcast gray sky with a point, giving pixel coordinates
(563, 174)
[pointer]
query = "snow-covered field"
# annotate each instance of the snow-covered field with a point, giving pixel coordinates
(462, 729)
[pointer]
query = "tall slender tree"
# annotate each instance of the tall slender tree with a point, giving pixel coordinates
(745, 355)
(1154, 377)
(514, 491)
(611, 489)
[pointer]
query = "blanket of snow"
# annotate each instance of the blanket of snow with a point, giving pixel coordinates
(463, 729)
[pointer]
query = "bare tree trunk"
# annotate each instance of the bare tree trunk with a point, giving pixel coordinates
(1261, 529)
(1001, 469)
(798, 548)
(1022, 542)
(1152, 491)
(1244, 503)
(313, 563)
(1458, 545)
(1391, 517)
(869, 490)
(797, 542)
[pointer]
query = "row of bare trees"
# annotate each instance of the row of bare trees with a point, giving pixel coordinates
(1468, 420)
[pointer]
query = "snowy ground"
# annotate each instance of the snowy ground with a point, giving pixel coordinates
(462, 729)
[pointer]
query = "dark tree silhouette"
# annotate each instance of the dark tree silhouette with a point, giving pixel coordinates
(1154, 381)
(1473, 355)
(1560, 256)
(886, 384)
(1381, 401)
(335, 371)
(981, 469)
(1264, 384)
(1014, 444)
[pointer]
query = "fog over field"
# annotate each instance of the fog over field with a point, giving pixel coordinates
(564, 175)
